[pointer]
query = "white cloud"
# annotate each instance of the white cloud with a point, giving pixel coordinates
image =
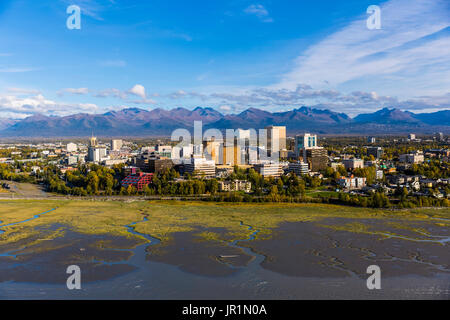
(112, 92)
(78, 91)
(144, 101)
(21, 107)
(408, 55)
(273, 99)
(225, 108)
(259, 11)
(138, 90)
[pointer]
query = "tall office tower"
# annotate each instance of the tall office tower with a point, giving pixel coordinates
(211, 149)
(304, 142)
(93, 142)
(242, 134)
(187, 151)
(247, 140)
(306, 147)
(176, 153)
(116, 144)
(276, 139)
(71, 147)
(231, 155)
(96, 153)
(317, 158)
(198, 149)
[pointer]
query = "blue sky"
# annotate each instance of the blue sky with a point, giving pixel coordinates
(229, 55)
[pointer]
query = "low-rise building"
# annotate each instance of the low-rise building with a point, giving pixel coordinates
(269, 169)
(159, 165)
(379, 174)
(298, 168)
(200, 166)
(351, 164)
(413, 158)
(235, 185)
(138, 180)
(351, 183)
(376, 152)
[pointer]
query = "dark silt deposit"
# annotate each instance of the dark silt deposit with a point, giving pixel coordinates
(299, 260)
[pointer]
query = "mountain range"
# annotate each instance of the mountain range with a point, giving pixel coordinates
(160, 122)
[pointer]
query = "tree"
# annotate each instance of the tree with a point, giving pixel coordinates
(93, 181)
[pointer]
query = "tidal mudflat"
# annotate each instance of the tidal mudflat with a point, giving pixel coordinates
(190, 250)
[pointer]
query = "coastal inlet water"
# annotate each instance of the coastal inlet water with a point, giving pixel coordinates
(300, 260)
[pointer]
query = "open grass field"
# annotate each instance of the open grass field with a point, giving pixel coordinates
(165, 218)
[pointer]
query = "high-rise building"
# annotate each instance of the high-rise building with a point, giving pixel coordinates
(412, 136)
(116, 144)
(93, 142)
(197, 149)
(317, 158)
(304, 142)
(212, 150)
(306, 148)
(159, 165)
(143, 159)
(96, 153)
(71, 147)
(371, 140)
(176, 153)
(376, 152)
(231, 155)
(276, 139)
(248, 142)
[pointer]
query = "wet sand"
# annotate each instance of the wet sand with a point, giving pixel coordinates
(305, 249)
(46, 261)
(324, 259)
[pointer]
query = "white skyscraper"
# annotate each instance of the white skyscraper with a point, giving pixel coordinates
(116, 144)
(71, 147)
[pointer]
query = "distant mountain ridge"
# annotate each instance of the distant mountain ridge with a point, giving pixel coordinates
(161, 122)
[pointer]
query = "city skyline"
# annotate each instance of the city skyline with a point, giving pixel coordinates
(228, 56)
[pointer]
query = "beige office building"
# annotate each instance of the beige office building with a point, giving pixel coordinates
(276, 132)
(269, 169)
(116, 144)
(231, 155)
